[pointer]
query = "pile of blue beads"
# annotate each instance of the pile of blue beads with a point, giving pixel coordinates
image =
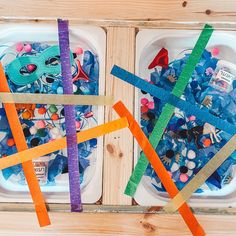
(187, 143)
(42, 123)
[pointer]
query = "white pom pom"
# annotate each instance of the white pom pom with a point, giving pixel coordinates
(191, 154)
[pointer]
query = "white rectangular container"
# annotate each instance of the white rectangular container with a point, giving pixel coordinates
(148, 43)
(88, 37)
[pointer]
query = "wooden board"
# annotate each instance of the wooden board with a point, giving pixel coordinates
(118, 154)
(111, 224)
(126, 14)
(151, 10)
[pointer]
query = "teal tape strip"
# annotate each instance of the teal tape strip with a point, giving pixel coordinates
(168, 109)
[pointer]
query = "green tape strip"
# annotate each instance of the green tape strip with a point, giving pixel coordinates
(168, 109)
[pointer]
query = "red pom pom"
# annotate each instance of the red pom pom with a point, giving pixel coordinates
(144, 109)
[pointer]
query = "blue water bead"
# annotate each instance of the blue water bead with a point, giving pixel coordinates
(175, 175)
(210, 64)
(94, 71)
(59, 90)
(150, 127)
(93, 143)
(3, 123)
(144, 129)
(215, 180)
(88, 88)
(200, 69)
(206, 55)
(10, 150)
(144, 122)
(234, 84)
(83, 164)
(56, 166)
(84, 153)
(180, 185)
(88, 62)
(55, 85)
(157, 179)
(232, 94)
(194, 85)
(83, 109)
(177, 64)
(13, 170)
(233, 157)
(222, 170)
(81, 178)
(85, 89)
(155, 77)
(163, 146)
(2, 112)
(207, 150)
(225, 136)
(229, 112)
(39, 47)
(199, 190)
(149, 170)
(189, 95)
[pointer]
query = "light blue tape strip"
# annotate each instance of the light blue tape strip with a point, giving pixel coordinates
(167, 97)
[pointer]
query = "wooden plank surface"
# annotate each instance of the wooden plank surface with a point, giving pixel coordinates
(177, 10)
(118, 153)
(111, 224)
(117, 163)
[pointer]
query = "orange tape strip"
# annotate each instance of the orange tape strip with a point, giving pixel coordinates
(58, 144)
(159, 168)
(21, 145)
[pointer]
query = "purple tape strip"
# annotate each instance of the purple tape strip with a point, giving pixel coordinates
(72, 148)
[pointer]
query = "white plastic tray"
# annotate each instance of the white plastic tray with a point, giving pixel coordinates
(148, 43)
(94, 39)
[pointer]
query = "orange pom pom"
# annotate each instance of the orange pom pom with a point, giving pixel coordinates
(54, 116)
(207, 142)
(10, 142)
(26, 115)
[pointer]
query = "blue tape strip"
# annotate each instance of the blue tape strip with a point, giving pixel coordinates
(167, 97)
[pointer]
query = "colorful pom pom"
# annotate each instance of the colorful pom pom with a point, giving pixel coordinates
(183, 178)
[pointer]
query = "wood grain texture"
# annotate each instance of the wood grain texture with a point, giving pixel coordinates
(118, 153)
(180, 10)
(111, 224)
(120, 50)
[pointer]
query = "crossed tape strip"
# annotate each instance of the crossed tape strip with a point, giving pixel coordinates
(168, 109)
(200, 178)
(126, 121)
(215, 162)
(159, 168)
(44, 149)
(56, 99)
(72, 147)
(173, 100)
(21, 145)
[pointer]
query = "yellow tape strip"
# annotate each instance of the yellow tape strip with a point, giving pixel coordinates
(58, 144)
(200, 178)
(57, 99)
